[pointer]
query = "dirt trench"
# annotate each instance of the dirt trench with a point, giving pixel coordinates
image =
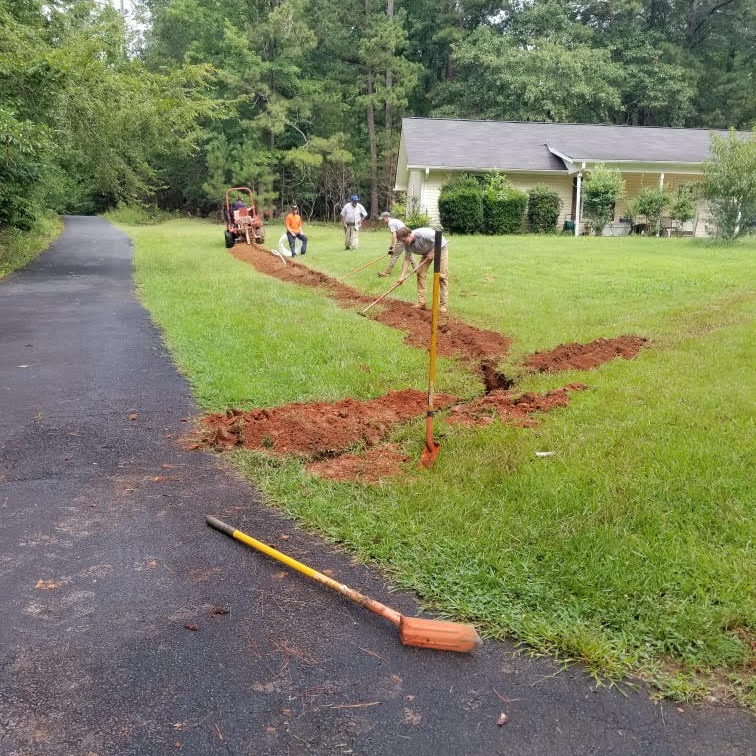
(324, 433)
(455, 338)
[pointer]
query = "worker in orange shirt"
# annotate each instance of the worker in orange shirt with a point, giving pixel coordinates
(294, 231)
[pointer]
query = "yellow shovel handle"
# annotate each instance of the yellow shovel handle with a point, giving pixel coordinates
(374, 606)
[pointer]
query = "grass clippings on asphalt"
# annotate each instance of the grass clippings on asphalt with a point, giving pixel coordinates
(629, 548)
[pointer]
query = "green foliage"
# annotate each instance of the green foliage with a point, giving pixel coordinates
(503, 211)
(601, 190)
(417, 220)
(496, 78)
(135, 214)
(461, 208)
(730, 184)
(19, 247)
(23, 149)
(683, 207)
(650, 203)
(544, 206)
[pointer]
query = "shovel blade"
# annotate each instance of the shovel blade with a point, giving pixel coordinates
(443, 636)
(428, 457)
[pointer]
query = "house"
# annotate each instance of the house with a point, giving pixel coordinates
(556, 155)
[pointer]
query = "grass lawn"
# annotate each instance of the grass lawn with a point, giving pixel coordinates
(19, 248)
(631, 549)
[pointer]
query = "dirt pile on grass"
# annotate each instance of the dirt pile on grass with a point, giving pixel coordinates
(455, 338)
(585, 356)
(315, 429)
(376, 464)
(511, 409)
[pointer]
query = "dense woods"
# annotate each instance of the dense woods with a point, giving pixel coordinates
(303, 98)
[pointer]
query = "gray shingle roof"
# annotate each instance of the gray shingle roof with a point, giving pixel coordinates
(519, 145)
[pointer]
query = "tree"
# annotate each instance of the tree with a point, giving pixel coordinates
(497, 79)
(730, 183)
(601, 190)
(651, 203)
(683, 207)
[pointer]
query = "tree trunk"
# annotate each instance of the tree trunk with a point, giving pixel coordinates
(389, 165)
(371, 129)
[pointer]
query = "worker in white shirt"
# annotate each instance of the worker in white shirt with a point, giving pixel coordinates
(396, 247)
(352, 215)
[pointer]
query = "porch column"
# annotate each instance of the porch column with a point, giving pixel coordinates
(661, 181)
(577, 202)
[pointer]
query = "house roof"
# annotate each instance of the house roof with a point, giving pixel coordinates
(530, 146)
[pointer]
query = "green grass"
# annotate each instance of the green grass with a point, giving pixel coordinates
(631, 548)
(19, 248)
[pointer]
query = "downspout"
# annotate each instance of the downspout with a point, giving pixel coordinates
(578, 199)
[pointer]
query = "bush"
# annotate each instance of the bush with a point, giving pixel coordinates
(135, 214)
(503, 211)
(461, 208)
(683, 208)
(601, 190)
(417, 220)
(544, 206)
(651, 203)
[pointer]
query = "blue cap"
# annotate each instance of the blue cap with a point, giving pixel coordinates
(355, 198)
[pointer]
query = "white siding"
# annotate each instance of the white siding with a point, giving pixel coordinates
(562, 185)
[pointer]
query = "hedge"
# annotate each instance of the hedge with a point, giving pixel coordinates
(461, 209)
(544, 206)
(503, 211)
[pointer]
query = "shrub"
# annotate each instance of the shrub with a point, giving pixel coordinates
(503, 211)
(544, 206)
(730, 184)
(601, 190)
(461, 208)
(651, 203)
(417, 220)
(136, 214)
(683, 207)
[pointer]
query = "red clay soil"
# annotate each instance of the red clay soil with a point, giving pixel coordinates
(455, 338)
(314, 429)
(510, 409)
(585, 356)
(378, 463)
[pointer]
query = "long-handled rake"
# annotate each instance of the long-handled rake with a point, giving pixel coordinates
(413, 631)
(395, 286)
(362, 267)
(430, 452)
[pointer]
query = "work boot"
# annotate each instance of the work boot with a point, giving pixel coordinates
(382, 274)
(442, 309)
(418, 306)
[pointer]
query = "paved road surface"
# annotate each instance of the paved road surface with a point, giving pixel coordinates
(102, 566)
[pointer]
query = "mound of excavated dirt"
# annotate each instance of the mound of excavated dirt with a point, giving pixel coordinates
(381, 462)
(455, 338)
(511, 409)
(585, 356)
(315, 429)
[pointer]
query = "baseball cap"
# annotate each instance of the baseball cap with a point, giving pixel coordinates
(355, 198)
(385, 214)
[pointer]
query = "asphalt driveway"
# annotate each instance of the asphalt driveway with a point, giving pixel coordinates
(113, 634)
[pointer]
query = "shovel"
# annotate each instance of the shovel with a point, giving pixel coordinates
(430, 452)
(395, 286)
(413, 631)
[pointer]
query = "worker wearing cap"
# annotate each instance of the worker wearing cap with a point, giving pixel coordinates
(396, 247)
(422, 242)
(352, 215)
(294, 231)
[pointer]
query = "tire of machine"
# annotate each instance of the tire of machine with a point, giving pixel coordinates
(230, 240)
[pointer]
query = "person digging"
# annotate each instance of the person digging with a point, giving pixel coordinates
(420, 242)
(396, 247)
